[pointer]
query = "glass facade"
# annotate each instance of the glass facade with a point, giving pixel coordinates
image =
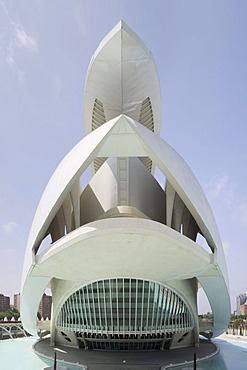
(124, 309)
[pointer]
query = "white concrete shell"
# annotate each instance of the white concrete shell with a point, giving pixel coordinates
(121, 237)
(122, 74)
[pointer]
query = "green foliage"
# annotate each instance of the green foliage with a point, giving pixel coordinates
(9, 314)
(208, 316)
(240, 319)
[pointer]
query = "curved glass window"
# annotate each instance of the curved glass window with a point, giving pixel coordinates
(124, 306)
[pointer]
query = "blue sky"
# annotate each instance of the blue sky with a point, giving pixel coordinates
(200, 51)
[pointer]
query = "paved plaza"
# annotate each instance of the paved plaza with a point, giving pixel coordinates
(125, 360)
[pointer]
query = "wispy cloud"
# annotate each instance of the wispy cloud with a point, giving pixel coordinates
(240, 212)
(9, 227)
(80, 17)
(225, 199)
(226, 246)
(24, 40)
(220, 187)
(13, 40)
(10, 60)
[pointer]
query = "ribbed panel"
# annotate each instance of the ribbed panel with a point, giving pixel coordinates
(147, 162)
(125, 307)
(98, 119)
(146, 114)
(146, 119)
(98, 116)
(98, 162)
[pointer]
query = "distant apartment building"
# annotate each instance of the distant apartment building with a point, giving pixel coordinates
(4, 303)
(45, 306)
(243, 309)
(17, 298)
(241, 299)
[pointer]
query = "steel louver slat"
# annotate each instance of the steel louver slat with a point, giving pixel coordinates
(98, 119)
(146, 119)
(98, 114)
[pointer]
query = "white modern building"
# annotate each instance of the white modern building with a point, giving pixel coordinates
(123, 263)
(241, 299)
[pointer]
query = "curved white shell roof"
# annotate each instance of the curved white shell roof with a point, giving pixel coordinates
(123, 136)
(111, 80)
(121, 75)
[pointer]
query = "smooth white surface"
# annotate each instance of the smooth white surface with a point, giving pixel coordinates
(141, 142)
(108, 140)
(122, 74)
(126, 246)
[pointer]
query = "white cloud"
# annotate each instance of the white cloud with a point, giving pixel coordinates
(12, 64)
(240, 212)
(80, 17)
(226, 200)
(15, 41)
(9, 58)
(24, 40)
(5, 11)
(226, 246)
(9, 227)
(220, 187)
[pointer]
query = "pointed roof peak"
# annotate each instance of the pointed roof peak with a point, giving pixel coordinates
(122, 25)
(124, 29)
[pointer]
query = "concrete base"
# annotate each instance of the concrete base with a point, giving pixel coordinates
(58, 368)
(192, 368)
(128, 360)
